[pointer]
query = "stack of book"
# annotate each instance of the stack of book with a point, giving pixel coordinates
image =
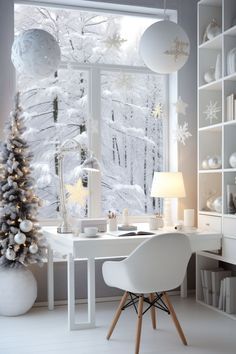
(231, 107)
(219, 289)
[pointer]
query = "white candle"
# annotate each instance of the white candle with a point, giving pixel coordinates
(189, 217)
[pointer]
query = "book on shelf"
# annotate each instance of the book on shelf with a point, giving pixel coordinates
(230, 105)
(230, 294)
(216, 277)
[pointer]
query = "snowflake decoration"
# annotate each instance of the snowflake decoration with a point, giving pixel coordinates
(178, 49)
(182, 133)
(180, 106)
(211, 111)
(158, 111)
(114, 41)
(77, 192)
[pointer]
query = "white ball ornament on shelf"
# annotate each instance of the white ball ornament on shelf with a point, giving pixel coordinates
(164, 47)
(20, 238)
(26, 225)
(214, 162)
(205, 165)
(36, 53)
(10, 254)
(232, 160)
(33, 248)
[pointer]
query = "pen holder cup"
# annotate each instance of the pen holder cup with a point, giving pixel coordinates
(112, 224)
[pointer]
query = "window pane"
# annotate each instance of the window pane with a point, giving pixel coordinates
(56, 110)
(87, 37)
(132, 136)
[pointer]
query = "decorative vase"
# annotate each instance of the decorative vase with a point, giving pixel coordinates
(18, 291)
(231, 61)
(213, 29)
(209, 75)
(218, 67)
(232, 160)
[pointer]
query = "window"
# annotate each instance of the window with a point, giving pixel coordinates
(103, 96)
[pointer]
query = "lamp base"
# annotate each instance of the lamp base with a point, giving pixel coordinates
(63, 229)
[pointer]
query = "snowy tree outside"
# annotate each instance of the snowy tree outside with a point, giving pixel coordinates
(132, 139)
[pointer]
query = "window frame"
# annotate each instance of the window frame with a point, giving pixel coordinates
(94, 93)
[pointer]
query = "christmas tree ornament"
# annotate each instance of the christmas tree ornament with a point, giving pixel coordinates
(182, 134)
(20, 238)
(26, 225)
(232, 160)
(33, 248)
(10, 254)
(212, 111)
(164, 47)
(214, 162)
(36, 53)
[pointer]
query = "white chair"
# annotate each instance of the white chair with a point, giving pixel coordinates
(159, 264)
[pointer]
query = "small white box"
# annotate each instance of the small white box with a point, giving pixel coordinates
(100, 223)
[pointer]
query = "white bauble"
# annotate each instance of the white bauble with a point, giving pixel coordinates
(20, 238)
(213, 29)
(36, 53)
(217, 204)
(164, 47)
(26, 225)
(232, 160)
(214, 162)
(33, 248)
(10, 254)
(209, 75)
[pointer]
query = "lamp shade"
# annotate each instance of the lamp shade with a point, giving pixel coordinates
(168, 185)
(35, 53)
(91, 164)
(164, 47)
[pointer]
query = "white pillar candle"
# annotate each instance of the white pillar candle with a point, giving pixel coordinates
(189, 217)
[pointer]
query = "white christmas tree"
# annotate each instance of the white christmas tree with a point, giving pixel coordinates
(21, 240)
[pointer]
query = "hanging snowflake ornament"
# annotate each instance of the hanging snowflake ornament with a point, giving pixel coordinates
(180, 106)
(124, 81)
(78, 193)
(211, 111)
(114, 41)
(158, 111)
(182, 133)
(178, 49)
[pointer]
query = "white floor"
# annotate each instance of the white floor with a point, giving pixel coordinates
(42, 332)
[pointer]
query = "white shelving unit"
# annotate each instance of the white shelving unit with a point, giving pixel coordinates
(216, 136)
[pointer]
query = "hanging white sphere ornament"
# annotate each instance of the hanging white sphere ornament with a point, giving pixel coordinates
(164, 47)
(26, 225)
(20, 238)
(33, 248)
(35, 52)
(10, 254)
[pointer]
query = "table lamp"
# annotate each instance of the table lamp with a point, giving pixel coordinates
(168, 185)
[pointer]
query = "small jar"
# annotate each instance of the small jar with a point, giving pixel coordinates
(112, 224)
(155, 222)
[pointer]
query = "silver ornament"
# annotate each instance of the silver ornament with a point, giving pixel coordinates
(214, 162)
(205, 165)
(10, 254)
(26, 225)
(33, 248)
(217, 204)
(20, 238)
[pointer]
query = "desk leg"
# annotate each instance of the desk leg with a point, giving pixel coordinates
(184, 287)
(50, 279)
(91, 291)
(71, 291)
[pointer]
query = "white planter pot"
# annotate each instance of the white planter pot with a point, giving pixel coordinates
(18, 291)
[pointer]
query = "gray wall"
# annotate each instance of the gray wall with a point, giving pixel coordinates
(187, 84)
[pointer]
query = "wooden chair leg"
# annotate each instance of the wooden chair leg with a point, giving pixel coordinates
(175, 319)
(153, 312)
(139, 324)
(117, 314)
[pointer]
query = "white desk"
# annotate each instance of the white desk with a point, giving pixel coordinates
(105, 246)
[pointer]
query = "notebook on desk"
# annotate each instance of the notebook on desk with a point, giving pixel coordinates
(129, 233)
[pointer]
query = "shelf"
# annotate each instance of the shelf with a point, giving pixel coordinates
(215, 43)
(232, 316)
(230, 216)
(231, 31)
(214, 85)
(229, 170)
(231, 77)
(216, 257)
(230, 122)
(219, 170)
(211, 213)
(216, 127)
(210, 2)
